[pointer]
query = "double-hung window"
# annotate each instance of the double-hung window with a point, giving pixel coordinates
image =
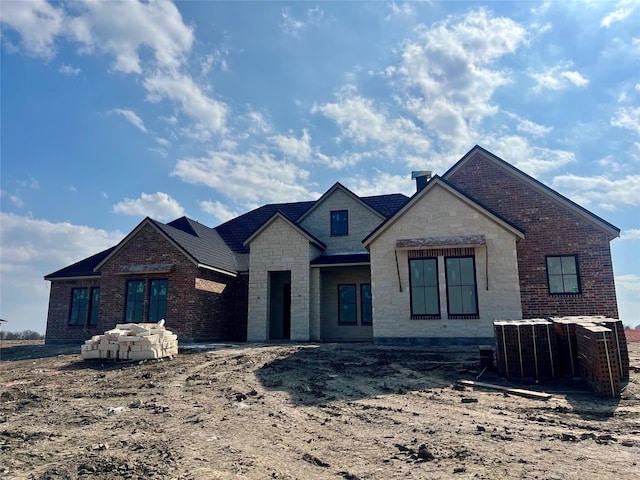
(462, 294)
(424, 287)
(563, 274)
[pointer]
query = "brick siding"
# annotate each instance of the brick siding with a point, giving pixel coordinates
(193, 314)
(550, 229)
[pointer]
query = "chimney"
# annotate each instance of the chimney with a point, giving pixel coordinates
(422, 177)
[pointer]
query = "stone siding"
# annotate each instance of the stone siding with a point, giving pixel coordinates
(439, 214)
(278, 248)
(361, 222)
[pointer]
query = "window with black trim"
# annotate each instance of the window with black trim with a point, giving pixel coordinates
(347, 305)
(366, 305)
(94, 306)
(423, 282)
(563, 274)
(462, 293)
(158, 300)
(135, 301)
(78, 314)
(340, 222)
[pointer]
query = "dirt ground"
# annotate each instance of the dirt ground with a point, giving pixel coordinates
(302, 412)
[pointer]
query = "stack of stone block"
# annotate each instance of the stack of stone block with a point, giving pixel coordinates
(598, 358)
(526, 349)
(132, 341)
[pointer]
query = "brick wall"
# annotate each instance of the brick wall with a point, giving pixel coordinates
(550, 229)
(58, 328)
(208, 312)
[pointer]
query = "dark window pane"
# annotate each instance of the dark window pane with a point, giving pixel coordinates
(347, 310)
(424, 286)
(366, 303)
(79, 300)
(340, 222)
(95, 306)
(158, 300)
(135, 301)
(570, 283)
(461, 286)
(562, 274)
(568, 265)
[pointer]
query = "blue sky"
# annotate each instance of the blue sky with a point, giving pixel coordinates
(113, 111)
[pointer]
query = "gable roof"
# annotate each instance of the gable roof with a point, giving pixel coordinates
(305, 233)
(202, 245)
(83, 268)
(338, 186)
(599, 222)
(438, 181)
(237, 230)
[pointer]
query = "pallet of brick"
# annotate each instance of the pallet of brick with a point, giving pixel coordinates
(565, 328)
(132, 341)
(598, 359)
(617, 327)
(526, 349)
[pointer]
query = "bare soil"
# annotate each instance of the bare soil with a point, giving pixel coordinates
(302, 412)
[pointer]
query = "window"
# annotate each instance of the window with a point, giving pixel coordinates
(423, 283)
(340, 222)
(562, 274)
(78, 306)
(135, 301)
(158, 300)
(462, 295)
(347, 305)
(94, 308)
(366, 308)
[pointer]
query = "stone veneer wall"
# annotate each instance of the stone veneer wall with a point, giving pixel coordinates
(550, 229)
(361, 222)
(437, 214)
(279, 247)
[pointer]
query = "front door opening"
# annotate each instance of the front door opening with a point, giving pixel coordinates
(280, 305)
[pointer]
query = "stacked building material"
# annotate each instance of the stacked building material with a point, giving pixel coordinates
(565, 328)
(526, 349)
(132, 341)
(598, 358)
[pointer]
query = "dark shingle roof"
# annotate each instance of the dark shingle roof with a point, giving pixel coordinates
(222, 247)
(203, 243)
(236, 231)
(83, 268)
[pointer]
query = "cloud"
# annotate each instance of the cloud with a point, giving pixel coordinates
(218, 210)
(605, 192)
(38, 24)
(617, 16)
(363, 122)
(381, 183)
(290, 24)
(292, 147)
(557, 78)
(155, 205)
(404, 9)
(631, 234)
(449, 64)
(251, 177)
(629, 282)
(209, 113)
(627, 118)
(34, 248)
(69, 71)
(527, 126)
(122, 29)
(131, 117)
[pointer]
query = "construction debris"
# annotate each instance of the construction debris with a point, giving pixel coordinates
(521, 392)
(132, 341)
